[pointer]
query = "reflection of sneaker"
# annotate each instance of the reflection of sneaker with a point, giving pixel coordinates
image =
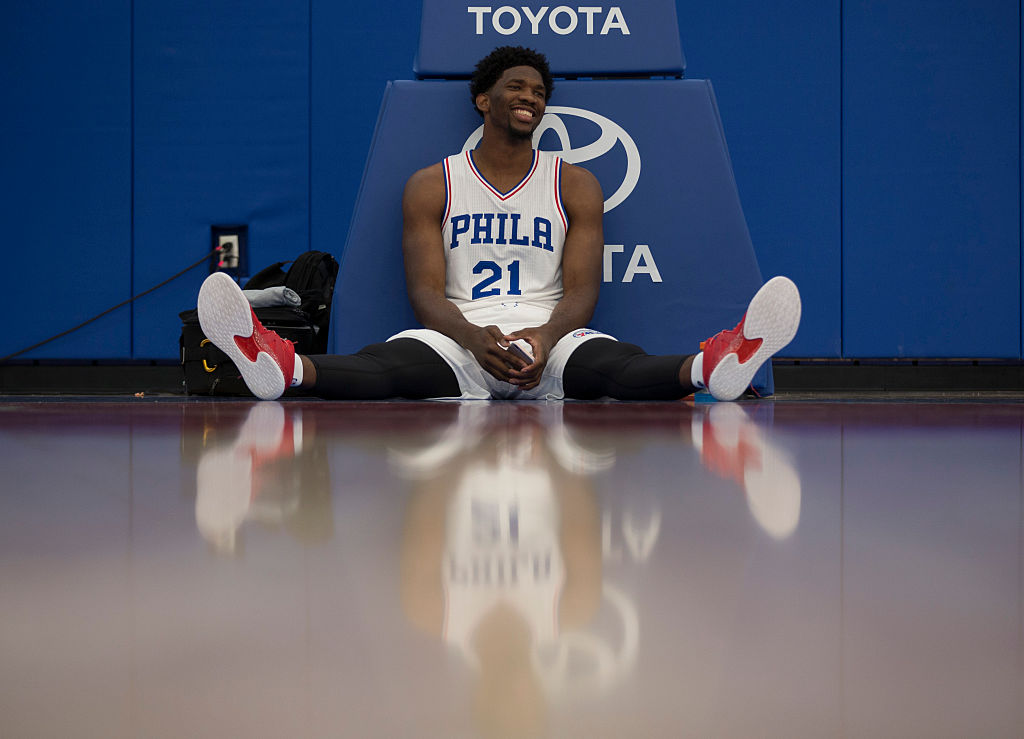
(265, 360)
(728, 442)
(735, 447)
(732, 357)
(269, 433)
(229, 478)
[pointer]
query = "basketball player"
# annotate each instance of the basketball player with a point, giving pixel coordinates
(502, 249)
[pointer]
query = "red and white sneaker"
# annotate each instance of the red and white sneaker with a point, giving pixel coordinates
(266, 361)
(732, 357)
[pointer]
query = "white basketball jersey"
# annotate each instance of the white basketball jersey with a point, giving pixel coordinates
(504, 250)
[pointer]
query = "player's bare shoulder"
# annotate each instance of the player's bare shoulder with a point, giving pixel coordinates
(580, 189)
(425, 191)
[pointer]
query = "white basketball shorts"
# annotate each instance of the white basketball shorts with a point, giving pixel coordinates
(478, 384)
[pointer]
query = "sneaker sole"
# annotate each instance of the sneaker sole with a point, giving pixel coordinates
(224, 313)
(772, 316)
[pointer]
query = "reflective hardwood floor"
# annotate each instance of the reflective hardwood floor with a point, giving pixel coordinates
(174, 567)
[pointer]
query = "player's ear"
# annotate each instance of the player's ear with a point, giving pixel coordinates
(483, 102)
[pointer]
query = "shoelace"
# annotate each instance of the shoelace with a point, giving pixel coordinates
(733, 331)
(272, 337)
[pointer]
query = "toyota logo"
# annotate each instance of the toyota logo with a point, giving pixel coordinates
(611, 133)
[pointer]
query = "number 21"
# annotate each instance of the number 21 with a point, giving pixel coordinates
(493, 273)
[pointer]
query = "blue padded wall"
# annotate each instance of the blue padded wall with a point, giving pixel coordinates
(931, 188)
(876, 147)
(353, 56)
(65, 159)
(776, 72)
(221, 137)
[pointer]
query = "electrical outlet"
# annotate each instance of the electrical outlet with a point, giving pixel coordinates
(228, 247)
(228, 244)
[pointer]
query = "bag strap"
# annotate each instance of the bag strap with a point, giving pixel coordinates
(312, 276)
(272, 276)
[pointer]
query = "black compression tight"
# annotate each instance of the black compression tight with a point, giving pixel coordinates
(605, 368)
(403, 368)
(408, 368)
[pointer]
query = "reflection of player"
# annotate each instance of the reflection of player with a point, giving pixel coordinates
(257, 477)
(501, 552)
(736, 448)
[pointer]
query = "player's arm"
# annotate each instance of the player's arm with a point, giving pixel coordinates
(425, 270)
(581, 269)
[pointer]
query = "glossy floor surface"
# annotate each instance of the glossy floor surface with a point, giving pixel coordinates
(792, 568)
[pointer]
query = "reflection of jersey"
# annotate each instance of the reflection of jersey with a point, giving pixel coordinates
(504, 250)
(502, 549)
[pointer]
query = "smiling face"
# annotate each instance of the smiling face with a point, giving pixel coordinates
(516, 102)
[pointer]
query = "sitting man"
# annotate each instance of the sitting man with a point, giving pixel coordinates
(502, 248)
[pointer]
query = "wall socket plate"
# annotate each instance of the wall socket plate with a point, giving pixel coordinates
(233, 257)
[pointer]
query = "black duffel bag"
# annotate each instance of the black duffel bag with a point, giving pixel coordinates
(209, 371)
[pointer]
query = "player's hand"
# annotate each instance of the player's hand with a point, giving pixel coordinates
(490, 348)
(529, 376)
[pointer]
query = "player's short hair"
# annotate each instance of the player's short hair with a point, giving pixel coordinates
(491, 67)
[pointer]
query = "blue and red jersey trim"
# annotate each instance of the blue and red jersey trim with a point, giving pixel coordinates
(447, 192)
(495, 191)
(558, 193)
